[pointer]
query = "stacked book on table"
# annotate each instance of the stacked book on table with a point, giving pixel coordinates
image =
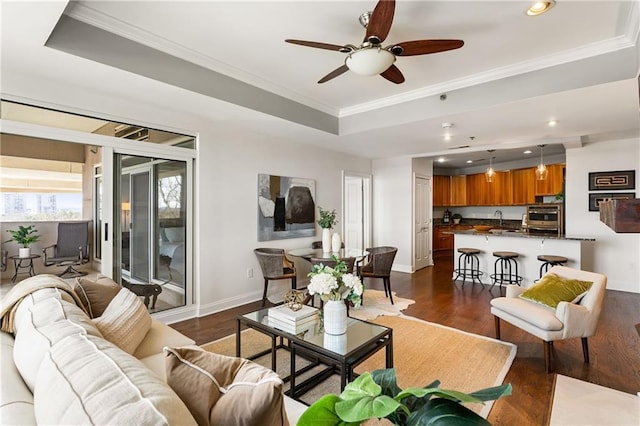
(294, 322)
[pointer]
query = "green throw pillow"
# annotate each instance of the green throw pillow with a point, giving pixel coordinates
(552, 289)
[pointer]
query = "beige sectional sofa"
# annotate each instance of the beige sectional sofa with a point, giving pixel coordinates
(59, 366)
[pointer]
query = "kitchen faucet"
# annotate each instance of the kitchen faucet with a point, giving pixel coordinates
(499, 214)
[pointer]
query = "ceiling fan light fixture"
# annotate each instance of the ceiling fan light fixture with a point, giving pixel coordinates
(539, 7)
(370, 61)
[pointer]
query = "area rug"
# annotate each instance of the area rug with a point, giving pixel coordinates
(377, 304)
(423, 352)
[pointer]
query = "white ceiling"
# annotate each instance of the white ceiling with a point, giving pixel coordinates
(577, 64)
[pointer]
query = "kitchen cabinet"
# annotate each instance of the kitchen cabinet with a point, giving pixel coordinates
(523, 186)
(501, 190)
(441, 191)
(442, 243)
(477, 190)
(459, 190)
(553, 183)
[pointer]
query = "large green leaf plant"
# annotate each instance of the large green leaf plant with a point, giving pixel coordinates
(376, 395)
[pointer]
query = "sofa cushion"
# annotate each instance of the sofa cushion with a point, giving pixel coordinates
(218, 388)
(16, 400)
(159, 336)
(552, 289)
(44, 324)
(96, 294)
(125, 322)
(88, 380)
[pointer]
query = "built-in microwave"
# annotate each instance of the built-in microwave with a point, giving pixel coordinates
(545, 219)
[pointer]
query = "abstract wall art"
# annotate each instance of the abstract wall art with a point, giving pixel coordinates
(286, 207)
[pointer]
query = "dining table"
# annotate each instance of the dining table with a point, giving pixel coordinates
(309, 253)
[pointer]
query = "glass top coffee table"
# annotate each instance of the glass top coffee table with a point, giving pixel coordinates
(340, 354)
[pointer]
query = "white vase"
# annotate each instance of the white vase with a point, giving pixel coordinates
(335, 317)
(24, 252)
(326, 240)
(336, 242)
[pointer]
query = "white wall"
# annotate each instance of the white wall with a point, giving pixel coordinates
(392, 201)
(230, 161)
(612, 254)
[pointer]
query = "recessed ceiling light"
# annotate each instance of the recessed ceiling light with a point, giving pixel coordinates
(441, 160)
(447, 125)
(469, 161)
(447, 137)
(540, 7)
(552, 123)
(527, 151)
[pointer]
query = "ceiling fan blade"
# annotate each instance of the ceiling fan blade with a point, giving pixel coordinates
(318, 45)
(423, 47)
(333, 74)
(393, 74)
(380, 21)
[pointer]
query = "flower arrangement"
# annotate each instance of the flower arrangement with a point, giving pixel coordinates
(327, 218)
(335, 283)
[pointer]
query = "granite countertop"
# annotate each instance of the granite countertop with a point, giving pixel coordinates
(517, 234)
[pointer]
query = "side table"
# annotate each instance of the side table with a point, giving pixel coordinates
(23, 263)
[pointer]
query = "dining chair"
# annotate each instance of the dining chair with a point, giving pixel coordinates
(275, 266)
(379, 263)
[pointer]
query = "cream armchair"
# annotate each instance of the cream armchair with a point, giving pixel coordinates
(569, 320)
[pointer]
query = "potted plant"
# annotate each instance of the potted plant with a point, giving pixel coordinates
(327, 221)
(456, 218)
(376, 395)
(24, 236)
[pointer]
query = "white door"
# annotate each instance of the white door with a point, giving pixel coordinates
(356, 218)
(422, 240)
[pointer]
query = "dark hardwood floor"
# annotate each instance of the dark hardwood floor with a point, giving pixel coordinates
(614, 350)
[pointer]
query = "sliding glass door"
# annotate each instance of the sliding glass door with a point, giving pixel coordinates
(152, 231)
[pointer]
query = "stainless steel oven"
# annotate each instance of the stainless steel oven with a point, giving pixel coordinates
(545, 219)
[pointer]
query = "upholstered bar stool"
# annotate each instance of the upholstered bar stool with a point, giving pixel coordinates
(468, 265)
(505, 269)
(550, 260)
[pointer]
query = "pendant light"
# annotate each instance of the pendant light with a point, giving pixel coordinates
(490, 173)
(541, 171)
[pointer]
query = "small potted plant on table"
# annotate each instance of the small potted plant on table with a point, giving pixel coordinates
(457, 217)
(24, 236)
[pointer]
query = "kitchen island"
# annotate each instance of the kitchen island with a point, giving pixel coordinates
(528, 246)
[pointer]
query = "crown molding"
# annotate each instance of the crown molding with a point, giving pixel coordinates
(84, 13)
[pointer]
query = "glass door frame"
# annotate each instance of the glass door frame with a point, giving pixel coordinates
(111, 210)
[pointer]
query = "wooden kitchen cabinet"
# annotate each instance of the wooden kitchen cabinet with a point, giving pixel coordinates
(477, 190)
(459, 190)
(553, 183)
(523, 186)
(442, 243)
(441, 191)
(500, 190)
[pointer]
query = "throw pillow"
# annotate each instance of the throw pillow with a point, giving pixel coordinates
(553, 289)
(125, 322)
(220, 390)
(95, 294)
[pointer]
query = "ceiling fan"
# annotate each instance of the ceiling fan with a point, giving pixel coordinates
(370, 58)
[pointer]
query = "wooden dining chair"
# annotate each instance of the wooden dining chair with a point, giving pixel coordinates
(275, 266)
(380, 261)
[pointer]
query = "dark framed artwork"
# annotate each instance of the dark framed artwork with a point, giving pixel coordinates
(286, 207)
(612, 181)
(596, 197)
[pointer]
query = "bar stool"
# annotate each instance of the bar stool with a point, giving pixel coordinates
(505, 269)
(550, 260)
(468, 265)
